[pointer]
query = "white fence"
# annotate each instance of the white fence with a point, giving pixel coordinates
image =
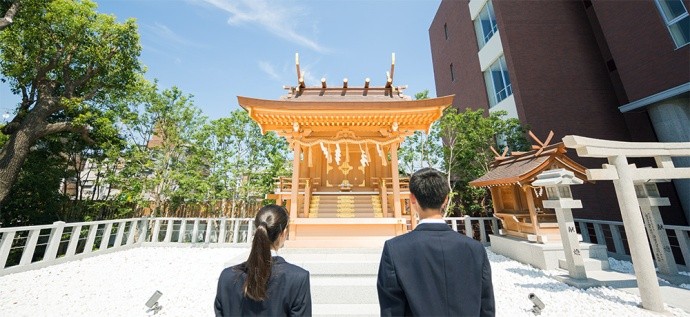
(475, 227)
(26, 248)
(32, 247)
(612, 235)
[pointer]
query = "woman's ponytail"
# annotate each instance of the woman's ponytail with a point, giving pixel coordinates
(270, 222)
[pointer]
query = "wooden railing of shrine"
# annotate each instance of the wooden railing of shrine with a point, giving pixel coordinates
(385, 188)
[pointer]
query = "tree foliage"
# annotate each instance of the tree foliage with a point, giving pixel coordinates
(421, 149)
(468, 137)
(244, 162)
(459, 144)
(68, 64)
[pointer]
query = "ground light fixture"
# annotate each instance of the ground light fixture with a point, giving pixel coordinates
(152, 303)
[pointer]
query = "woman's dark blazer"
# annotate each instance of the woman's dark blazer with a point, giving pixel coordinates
(288, 292)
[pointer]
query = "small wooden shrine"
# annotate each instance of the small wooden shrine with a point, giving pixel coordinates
(345, 183)
(516, 202)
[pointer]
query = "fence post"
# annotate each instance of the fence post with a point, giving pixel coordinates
(120, 233)
(5, 246)
(584, 232)
(250, 231)
(156, 230)
(482, 231)
(169, 231)
(73, 241)
(91, 238)
(494, 226)
(221, 235)
(468, 227)
(617, 240)
(183, 227)
(209, 227)
(30, 247)
(144, 230)
(599, 233)
(105, 240)
(683, 243)
(132, 230)
(454, 224)
(236, 230)
(195, 230)
(54, 241)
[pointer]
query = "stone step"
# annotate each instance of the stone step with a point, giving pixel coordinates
(345, 310)
(325, 205)
(347, 198)
(590, 264)
(343, 280)
(325, 253)
(343, 290)
(367, 215)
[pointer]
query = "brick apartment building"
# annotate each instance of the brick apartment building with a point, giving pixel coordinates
(617, 70)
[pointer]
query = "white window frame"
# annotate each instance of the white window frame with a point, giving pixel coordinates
(482, 38)
(670, 23)
(495, 96)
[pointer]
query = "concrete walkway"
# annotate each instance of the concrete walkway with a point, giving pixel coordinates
(672, 295)
(343, 281)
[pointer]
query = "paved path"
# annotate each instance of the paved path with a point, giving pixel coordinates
(343, 281)
(672, 295)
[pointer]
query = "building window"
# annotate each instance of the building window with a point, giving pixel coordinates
(497, 82)
(445, 30)
(485, 24)
(677, 20)
(452, 73)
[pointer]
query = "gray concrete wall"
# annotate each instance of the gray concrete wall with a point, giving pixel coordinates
(671, 121)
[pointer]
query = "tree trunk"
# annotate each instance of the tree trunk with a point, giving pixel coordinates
(14, 152)
(9, 15)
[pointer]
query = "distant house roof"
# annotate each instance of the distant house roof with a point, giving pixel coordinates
(524, 168)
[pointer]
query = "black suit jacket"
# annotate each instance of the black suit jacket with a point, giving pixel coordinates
(288, 292)
(435, 271)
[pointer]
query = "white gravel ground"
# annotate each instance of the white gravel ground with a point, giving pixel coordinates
(119, 283)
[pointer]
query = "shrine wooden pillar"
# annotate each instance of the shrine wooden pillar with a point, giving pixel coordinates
(397, 209)
(296, 149)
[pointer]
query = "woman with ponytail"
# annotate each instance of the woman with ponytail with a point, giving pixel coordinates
(265, 285)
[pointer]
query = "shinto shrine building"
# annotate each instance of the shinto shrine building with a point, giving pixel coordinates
(345, 188)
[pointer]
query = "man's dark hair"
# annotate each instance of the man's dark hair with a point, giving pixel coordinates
(430, 188)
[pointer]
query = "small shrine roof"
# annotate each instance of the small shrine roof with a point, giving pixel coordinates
(523, 168)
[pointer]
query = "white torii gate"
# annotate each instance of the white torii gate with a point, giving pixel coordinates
(624, 176)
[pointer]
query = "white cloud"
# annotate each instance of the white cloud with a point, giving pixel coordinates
(164, 34)
(267, 68)
(275, 16)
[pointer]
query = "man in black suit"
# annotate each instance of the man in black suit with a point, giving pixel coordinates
(433, 270)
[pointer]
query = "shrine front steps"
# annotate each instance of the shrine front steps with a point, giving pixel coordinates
(343, 280)
(350, 205)
(343, 232)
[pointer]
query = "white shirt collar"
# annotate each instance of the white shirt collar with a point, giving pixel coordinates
(274, 252)
(432, 220)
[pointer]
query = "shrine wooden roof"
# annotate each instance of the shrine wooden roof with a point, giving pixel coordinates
(353, 110)
(523, 169)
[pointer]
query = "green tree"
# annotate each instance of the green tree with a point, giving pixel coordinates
(163, 162)
(69, 64)
(421, 149)
(35, 198)
(468, 137)
(244, 162)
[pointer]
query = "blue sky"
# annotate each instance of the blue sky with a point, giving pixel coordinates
(219, 49)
